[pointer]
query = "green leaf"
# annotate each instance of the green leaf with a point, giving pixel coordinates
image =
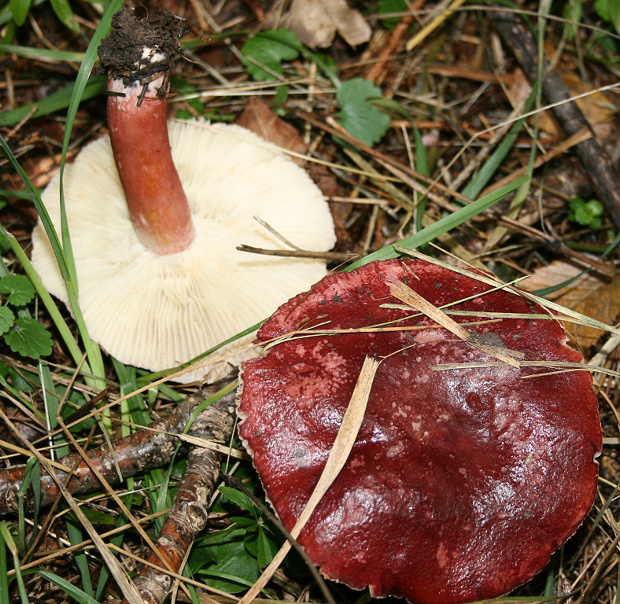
(63, 11)
(586, 213)
(358, 115)
(7, 319)
(391, 6)
(71, 590)
(267, 50)
(244, 522)
(239, 498)
(595, 207)
(18, 288)
(609, 10)
(224, 562)
(23, 381)
(29, 338)
(267, 548)
(602, 8)
(20, 9)
(183, 88)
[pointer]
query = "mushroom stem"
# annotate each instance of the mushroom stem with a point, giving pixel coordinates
(158, 206)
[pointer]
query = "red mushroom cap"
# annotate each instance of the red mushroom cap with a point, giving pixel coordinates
(462, 482)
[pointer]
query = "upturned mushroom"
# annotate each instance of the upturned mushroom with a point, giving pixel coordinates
(463, 479)
(157, 209)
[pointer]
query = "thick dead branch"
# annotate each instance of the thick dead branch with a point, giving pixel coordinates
(189, 512)
(603, 175)
(146, 449)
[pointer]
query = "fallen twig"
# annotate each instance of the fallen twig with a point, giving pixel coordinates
(149, 448)
(603, 175)
(189, 512)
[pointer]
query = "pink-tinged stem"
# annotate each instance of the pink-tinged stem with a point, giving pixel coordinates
(155, 198)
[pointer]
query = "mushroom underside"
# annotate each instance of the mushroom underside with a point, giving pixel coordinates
(156, 311)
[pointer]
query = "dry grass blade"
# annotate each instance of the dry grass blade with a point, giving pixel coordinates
(127, 587)
(445, 13)
(345, 439)
(459, 128)
(563, 312)
(408, 296)
(119, 574)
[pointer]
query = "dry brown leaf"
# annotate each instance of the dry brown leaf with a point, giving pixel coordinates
(590, 295)
(316, 22)
(260, 119)
(596, 107)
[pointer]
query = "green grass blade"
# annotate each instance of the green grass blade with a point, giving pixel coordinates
(490, 167)
(79, 557)
(6, 14)
(71, 590)
(421, 155)
(63, 11)
(441, 226)
(51, 402)
(4, 578)
(90, 58)
(10, 544)
(93, 351)
(151, 377)
(422, 167)
(133, 409)
(38, 204)
(54, 102)
(31, 482)
(116, 540)
(44, 55)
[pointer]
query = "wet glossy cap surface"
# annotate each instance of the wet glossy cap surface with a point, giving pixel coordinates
(462, 482)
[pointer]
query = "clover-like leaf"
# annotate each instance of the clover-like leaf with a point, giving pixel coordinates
(358, 115)
(269, 49)
(19, 289)
(29, 338)
(390, 7)
(7, 318)
(223, 561)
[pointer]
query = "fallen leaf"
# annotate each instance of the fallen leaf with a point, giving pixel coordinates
(260, 119)
(588, 294)
(316, 22)
(597, 108)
